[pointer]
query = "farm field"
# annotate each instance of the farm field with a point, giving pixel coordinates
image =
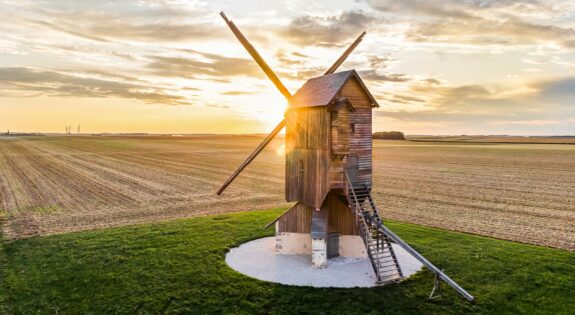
(496, 139)
(56, 184)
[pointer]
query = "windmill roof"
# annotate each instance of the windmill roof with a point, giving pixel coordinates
(321, 91)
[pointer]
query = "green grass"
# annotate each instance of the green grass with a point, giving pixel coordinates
(178, 267)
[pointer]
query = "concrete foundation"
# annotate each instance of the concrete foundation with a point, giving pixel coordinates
(258, 259)
(350, 246)
(301, 244)
(319, 252)
(293, 244)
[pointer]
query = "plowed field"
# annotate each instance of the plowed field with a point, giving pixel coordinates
(521, 192)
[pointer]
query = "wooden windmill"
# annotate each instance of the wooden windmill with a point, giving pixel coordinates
(329, 173)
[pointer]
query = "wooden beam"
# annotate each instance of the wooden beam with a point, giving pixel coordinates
(253, 52)
(345, 54)
(280, 216)
(252, 156)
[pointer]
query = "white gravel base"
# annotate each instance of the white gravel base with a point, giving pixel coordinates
(257, 259)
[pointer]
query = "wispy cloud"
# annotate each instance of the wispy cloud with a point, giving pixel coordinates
(195, 63)
(481, 22)
(542, 103)
(49, 83)
(328, 30)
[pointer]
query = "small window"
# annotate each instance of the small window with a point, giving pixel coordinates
(301, 166)
(352, 128)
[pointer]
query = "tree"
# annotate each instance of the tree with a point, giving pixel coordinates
(392, 135)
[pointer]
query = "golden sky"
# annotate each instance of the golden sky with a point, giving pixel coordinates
(449, 67)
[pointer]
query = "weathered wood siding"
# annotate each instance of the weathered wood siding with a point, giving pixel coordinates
(307, 155)
(340, 131)
(339, 217)
(360, 144)
(359, 141)
(297, 220)
(354, 92)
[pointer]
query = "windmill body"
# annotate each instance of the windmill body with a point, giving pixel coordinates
(328, 135)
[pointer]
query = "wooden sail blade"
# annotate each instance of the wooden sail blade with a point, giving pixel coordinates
(253, 52)
(272, 76)
(345, 54)
(252, 156)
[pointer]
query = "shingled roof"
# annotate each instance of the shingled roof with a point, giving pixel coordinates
(321, 91)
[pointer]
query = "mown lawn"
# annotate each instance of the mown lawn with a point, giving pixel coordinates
(178, 267)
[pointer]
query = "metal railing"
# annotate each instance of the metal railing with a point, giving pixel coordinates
(374, 219)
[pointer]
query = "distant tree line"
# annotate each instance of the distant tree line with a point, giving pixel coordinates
(16, 134)
(393, 135)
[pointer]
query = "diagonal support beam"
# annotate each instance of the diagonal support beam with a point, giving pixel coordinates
(254, 53)
(252, 156)
(439, 274)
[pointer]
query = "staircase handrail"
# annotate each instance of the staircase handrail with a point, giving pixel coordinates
(383, 229)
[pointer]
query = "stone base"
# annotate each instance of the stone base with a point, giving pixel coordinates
(319, 252)
(293, 244)
(350, 246)
(258, 259)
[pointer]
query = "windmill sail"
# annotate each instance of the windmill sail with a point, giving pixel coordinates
(254, 53)
(345, 54)
(279, 85)
(252, 156)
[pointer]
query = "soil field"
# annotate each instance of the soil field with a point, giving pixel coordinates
(520, 192)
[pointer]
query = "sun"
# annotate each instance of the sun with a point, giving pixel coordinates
(269, 108)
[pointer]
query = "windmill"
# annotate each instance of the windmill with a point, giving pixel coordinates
(329, 173)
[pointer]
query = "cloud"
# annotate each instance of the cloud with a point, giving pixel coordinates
(385, 77)
(141, 21)
(41, 82)
(456, 9)
(480, 31)
(233, 93)
(195, 64)
(504, 23)
(559, 90)
(407, 99)
(543, 103)
(105, 29)
(327, 31)
(545, 122)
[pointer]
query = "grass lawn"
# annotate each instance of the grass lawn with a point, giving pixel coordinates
(178, 267)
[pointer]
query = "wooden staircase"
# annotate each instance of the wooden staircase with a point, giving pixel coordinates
(377, 239)
(379, 249)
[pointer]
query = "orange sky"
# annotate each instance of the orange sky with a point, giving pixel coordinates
(454, 67)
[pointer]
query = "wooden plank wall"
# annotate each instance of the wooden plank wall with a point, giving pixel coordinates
(336, 179)
(339, 217)
(340, 131)
(308, 128)
(297, 220)
(307, 145)
(360, 142)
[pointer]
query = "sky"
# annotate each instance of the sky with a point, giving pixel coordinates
(173, 66)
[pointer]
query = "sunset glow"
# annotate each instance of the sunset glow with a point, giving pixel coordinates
(457, 67)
